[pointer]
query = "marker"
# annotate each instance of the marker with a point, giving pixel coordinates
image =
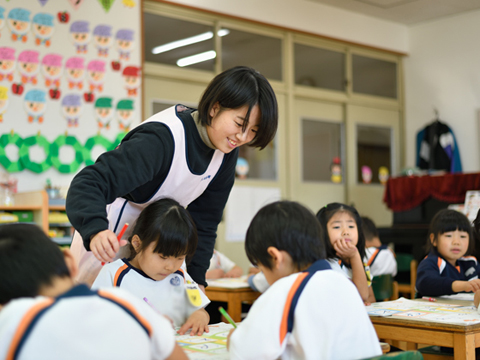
(429, 298)
(224, 313)
(119, 237)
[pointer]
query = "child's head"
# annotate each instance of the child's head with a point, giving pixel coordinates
(29, 261)
(163, 236)
(287, 227)
(341, 221)
(238, 87)
(370, 232)
(450, 233)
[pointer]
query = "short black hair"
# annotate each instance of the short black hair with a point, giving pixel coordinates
(288, 226)
(170, 225)
(447, 220)
(369, 229)
(326, 213)
(237, 87)
(29, 259)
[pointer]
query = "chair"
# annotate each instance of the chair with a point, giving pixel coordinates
(384, 287)
(399, 355)
(408, 265)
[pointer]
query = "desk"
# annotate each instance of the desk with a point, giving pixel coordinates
(456, 333)
(233, 297)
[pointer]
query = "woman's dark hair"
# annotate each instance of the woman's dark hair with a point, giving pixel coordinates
(326, 213)
(237, 87)
(168, 224)
(29, 259)
(447, 220)
(288, 226)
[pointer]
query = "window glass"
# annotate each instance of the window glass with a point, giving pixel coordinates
(322, 151)
(257, 164)
(168, 41)
(263, 53)
(319, 68)
(374, 76)
(374, 154)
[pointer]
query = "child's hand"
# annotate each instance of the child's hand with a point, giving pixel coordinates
(228, 337)
(105, 245)
(214, 274)
(345, 250)
(235, 272)
(476, 299)
(198, 322)
(467, 286)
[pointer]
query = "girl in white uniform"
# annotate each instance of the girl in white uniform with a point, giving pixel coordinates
(309, 311)
(346, 246)
(163, 236)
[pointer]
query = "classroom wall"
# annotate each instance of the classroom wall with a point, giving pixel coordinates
(442, 72)
(117, 20)
(314, 18)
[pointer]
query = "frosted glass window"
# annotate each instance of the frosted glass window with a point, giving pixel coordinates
(263, 53)
(374, 151)
(160, 30)
(262, 164)
(321, 145)
(320, 68)
(374, 76)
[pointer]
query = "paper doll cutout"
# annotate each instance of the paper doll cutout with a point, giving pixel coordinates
(7, 63)
(3, 101)
(124, 43)
(19, 23)
(80, 34)
(103, 112)
(125, 114)
(102, 38)
(52, 69)
(35, 105)
(75, 72)
(28, 66)
(96, 74)
(42, 28)
(2, 19)
(72, 108)
(131, 76)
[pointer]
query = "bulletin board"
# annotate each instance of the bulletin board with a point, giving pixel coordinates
(70, 84)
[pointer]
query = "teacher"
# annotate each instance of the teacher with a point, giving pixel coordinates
(182, 153)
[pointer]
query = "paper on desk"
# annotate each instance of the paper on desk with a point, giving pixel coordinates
(209, 346)
(463, 296)
(426, 311)
(230, 283)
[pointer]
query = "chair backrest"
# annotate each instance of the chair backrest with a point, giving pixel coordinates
(399, 355)
(382, 286)
(403, 261)
(407, 264)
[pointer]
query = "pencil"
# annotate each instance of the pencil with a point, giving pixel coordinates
(120, 234)
(224, 313)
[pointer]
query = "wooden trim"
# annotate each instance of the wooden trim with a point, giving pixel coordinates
(282, 28)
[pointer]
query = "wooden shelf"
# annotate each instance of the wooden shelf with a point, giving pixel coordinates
(35, 201)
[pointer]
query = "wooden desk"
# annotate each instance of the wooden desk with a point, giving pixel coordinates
(233, 297)
(463, 339)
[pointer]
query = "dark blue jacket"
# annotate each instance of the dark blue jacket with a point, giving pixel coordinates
(435, 275)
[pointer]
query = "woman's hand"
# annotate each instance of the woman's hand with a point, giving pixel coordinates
(198, 322)
(105, 245)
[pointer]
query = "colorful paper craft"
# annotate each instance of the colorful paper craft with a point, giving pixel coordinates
(209, 346)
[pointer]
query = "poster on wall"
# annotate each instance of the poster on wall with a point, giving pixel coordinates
(70, 83)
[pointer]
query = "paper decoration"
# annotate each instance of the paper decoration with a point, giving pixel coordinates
(106, 4)
(75, 72)
(102, 38)
(124, 43)
(42, 2)
(75, 3)
(125, 114)
(383, 174)
(7, 58)
(43, 28)
(336, 170)
(131, 76)
(3, 101)
(28, 66)
(80, 34)
(103, 112)
(52, 70)
(19, 23)
(63, 16)
(17, 89)
(2, 17)
(129, 3)
(72, 108)
(96, 75)
(366, 174)
(35, 104)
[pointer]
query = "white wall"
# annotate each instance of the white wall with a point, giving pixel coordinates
(313, 18)
(443, 71)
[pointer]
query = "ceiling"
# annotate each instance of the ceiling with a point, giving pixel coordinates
(408, 12)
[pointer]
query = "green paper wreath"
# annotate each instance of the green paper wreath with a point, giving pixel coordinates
(5, 140)
(24, 154)
(64, 140)
(89, 145)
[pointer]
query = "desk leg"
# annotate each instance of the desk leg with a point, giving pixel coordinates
(235, 307)
(412, 346)
(463, 347)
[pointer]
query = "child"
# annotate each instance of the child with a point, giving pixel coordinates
(57, 319)
(381, 259)
(163, 236)
(316, 311)
(446, 270)
(345, 246)
(222, 267)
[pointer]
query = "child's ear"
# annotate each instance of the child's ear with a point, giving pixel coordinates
(71, 263)
(277, 256)
(433, 240)
(136, 243)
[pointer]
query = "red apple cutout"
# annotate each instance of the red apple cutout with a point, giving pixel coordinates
(63, 17)
(17, 88)
(116, 65)
(89, 97)
(55, 93)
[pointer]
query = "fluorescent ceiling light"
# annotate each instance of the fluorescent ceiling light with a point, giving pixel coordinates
(188, 41)
(189, 60)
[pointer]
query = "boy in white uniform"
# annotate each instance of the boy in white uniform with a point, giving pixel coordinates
(380, 258)
(67, 321)
(309, 311)
(222, 267)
